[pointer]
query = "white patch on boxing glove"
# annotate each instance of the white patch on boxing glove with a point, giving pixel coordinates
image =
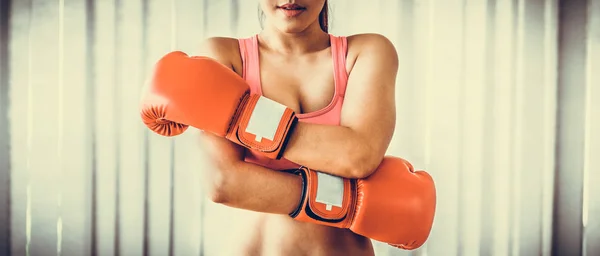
(265, 118)
(330, 190)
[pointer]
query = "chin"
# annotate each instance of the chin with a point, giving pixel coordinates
(292, 28)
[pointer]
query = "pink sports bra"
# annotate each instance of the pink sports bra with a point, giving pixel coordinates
(328, 115)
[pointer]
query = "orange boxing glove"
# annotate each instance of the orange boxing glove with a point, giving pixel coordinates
(394, 205)
(201, 92)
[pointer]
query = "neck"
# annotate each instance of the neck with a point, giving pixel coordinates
(312, 39)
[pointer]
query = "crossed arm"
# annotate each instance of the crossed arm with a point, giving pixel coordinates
(352, 150)
(356, 147)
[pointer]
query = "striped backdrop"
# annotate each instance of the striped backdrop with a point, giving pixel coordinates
(498, 99)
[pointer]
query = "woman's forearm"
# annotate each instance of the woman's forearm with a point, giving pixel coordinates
(256, 188)
(231, 181)
(368, 117)
(336, 150)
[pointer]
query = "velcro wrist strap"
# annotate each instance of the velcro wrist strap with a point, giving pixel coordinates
(264, 124)
(326, 199)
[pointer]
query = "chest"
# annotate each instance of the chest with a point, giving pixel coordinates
(304, 84)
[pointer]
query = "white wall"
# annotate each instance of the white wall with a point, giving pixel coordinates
(501, 108)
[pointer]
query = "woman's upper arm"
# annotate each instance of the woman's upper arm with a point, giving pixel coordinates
(369, 106)
(223, 49)
(220, 151)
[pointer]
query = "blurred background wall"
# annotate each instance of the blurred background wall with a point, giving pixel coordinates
(498, 99)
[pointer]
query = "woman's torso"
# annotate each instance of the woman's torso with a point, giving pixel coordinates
(314, 86)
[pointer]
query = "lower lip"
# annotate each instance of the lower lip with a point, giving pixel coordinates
(292, 13)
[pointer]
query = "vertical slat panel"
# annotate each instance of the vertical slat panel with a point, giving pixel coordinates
(131, 177)
(189, 25)
(5, 163)
(73, 135)
(247, 23)
(502, 131)
(567, 231)
(486, 218)
(44, 154)
(340, 16)
(235, 16)
(550, 104)
(106, 126)
(444, 99)
(90, 127)
(189, 229)
(404, 41)
(90, 119)
(591, 209)
(369, 25)
(530, 129)
(160, 22)
(218, 17)
(473, 111)
(188, 198)
(418, 104)
(20, 116)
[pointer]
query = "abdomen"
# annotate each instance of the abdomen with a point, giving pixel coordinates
(281, 235)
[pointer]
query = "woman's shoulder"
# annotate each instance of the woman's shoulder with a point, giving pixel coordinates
(223, 49)
(370, 42)
(375, 47)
